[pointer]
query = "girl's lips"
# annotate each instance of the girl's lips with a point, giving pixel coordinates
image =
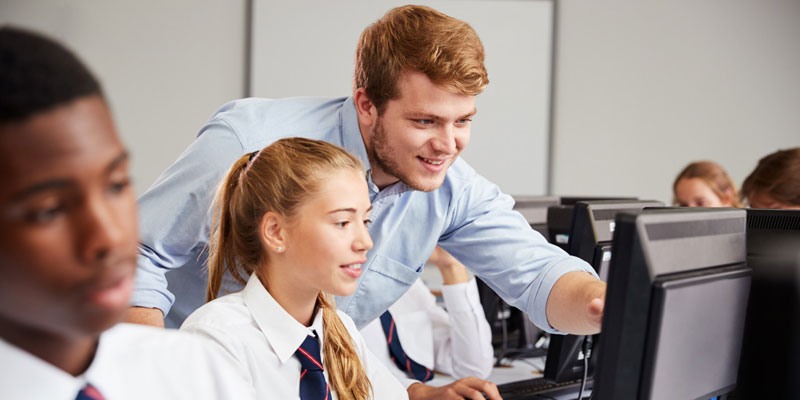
(352, 270)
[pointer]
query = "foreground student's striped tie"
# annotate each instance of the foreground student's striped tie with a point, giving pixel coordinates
(89, 392)
(415, 370)
(312, 381)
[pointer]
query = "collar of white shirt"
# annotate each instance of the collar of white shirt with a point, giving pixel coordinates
(283, 333)
(26, 376)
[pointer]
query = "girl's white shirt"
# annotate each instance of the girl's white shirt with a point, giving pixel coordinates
(263, 337)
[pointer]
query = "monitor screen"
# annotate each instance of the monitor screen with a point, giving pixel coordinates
(692, 344)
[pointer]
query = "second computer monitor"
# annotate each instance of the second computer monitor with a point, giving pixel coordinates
(592, 225)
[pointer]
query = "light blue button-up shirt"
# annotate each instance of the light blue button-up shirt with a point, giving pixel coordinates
(468, 216)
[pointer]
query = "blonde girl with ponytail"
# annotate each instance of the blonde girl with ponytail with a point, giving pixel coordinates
(290, 224)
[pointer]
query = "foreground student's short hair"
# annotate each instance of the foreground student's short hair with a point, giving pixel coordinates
(417, 38)
(37, 73)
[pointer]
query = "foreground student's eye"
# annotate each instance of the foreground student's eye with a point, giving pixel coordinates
(342, 224)
(367, 222)
(44, 215)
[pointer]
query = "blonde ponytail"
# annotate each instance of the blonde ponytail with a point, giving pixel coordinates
(345, 370)
(222, 253)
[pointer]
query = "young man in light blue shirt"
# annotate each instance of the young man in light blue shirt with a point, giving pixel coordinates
(417, 74)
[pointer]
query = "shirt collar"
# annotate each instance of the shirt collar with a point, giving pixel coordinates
(31, 377)
(283, 333)
(351, 133)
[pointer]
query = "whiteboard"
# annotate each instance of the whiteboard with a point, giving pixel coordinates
(306, 48)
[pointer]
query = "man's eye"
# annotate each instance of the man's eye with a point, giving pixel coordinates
(118, 187)
(424, 121)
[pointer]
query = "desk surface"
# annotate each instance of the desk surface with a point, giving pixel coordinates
(517, 370)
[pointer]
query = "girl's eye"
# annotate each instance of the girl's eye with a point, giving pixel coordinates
(342, 224)
(367, 222)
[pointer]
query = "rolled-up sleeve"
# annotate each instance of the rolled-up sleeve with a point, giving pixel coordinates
(499, 246)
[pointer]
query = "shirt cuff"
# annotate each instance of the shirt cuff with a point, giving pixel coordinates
(461, 297)
(549, 276)
(145, 294)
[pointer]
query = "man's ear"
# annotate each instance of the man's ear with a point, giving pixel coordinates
(273, 235)
(367, 112)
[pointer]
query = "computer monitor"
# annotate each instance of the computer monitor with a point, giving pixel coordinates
(770, 365)
(592, 225)
(675, 306)
(534, 209)
(559, 217)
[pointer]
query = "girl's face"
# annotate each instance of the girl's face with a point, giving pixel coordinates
(694, 192)
(327, 241)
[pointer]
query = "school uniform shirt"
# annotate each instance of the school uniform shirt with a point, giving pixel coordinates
(131, 362)
(263, 337)
(468, 216)
(457, 342)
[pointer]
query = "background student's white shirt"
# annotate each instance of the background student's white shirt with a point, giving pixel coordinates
(457, 342)
(131, 362)
(263, 337)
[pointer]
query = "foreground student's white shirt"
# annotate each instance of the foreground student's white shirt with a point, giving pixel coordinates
(131, 362)
(457, 342)
(263, 337)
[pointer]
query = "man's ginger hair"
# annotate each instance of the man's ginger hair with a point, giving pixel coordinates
(418, 38)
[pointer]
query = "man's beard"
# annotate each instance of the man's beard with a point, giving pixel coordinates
(382, 155)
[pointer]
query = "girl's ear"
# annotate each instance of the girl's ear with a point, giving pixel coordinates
(272, 232)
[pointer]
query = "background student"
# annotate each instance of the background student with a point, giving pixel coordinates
(457, 342)
(704, 184)
(293, 217)
(775, 182)
(68, 238)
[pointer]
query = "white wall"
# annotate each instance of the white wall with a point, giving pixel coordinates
(643, 88)
(166, 66)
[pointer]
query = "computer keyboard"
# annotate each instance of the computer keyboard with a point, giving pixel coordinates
(539, 388)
